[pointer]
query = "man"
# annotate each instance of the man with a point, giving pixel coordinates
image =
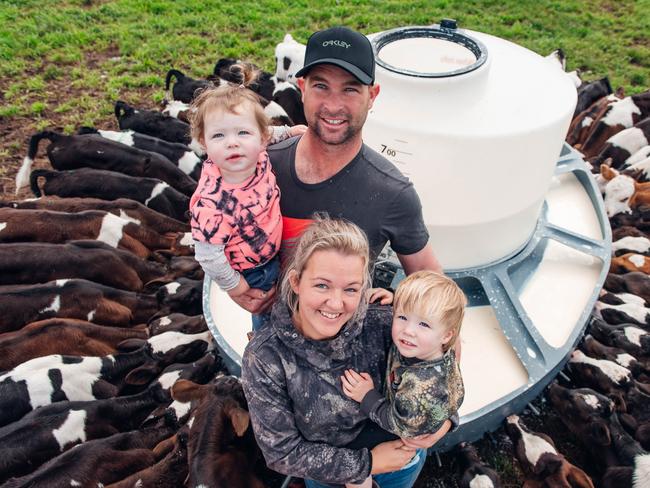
(329, 169)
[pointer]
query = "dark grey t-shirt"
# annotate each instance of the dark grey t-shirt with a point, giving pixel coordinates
(369, 191)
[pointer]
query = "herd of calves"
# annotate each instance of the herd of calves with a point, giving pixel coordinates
(109, 375)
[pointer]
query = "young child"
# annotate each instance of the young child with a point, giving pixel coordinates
(423, 382)
(235, 210)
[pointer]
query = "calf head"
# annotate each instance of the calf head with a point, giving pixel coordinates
(221, 445)
(183, 295)
(289, 58)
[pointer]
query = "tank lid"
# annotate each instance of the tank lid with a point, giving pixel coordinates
(460, 53)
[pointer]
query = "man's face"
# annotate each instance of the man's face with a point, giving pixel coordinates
(336, 103)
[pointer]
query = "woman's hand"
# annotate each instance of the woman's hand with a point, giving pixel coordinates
(425, 441)
(390, 456)
(356, 385)
(381, 295)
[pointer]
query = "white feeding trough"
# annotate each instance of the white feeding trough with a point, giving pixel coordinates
(478, 124)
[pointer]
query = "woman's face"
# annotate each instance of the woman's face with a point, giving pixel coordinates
(329, 292)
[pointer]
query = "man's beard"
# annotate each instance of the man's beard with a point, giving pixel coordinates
(339, 139)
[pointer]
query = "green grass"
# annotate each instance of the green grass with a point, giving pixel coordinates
(115, 49)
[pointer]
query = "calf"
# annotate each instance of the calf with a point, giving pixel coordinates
(289, 59)
(289, 97)
(24, 389)
(53, 429)
(589, 93)
(62, 336)
(618, 116)
(185, 88)
(108, 185)
(584, 121)
(154, 124)
(178, 322)
(49, 379)
(59, 227)
(475, 473)
(122, 207)
(39, 263)
(600, 374)
(222, 451)
(637, 476)
(638, 244)
(636, 283)
(183, 295)
(596, 349)
(178, 110)
(585, 412)
(97, 462)
(539, 458)
(631, 339)
(622, 145)
(179, 154)
(169, 472)
(632, 310)
(630, 261)
(74, 298)
(93, 151)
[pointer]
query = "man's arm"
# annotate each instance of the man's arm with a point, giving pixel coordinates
(424, 259)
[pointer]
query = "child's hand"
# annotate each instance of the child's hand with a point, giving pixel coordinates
(356, 385)
(297, 130)
(381, 295)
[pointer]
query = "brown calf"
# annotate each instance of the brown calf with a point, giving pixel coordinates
(62, 336)
(121, 207)
(76, 299)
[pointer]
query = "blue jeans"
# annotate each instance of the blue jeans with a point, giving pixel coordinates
(404, 478)
(262, 277)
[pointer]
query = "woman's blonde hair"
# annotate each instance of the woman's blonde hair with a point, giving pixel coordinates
(326, 234)
(433, 296)
(227, 98)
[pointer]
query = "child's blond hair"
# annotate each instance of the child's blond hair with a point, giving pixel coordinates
(228, 98)
(432, 295)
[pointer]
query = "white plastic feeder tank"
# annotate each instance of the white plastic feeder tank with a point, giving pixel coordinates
(478, 124)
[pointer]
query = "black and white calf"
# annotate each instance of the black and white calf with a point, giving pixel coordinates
(53, 429)
(109, 185)
(185, 88)
(289, 59)
(155, 124)
(92, 151)
(179, 154)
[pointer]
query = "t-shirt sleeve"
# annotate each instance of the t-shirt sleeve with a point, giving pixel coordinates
(403, 223)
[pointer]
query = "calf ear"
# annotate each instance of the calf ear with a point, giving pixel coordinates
(239, 418)
(142, 374)
(548, 464)
(579, 478)
(600, 433)
(185, 391)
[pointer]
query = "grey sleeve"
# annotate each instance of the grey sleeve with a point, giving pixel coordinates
(404, 224)
(213, 260)
(279, 133)
(285, 449)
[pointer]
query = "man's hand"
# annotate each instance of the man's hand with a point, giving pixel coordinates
(256, 301)
(381, 295)
(425, 441)
(356, 385)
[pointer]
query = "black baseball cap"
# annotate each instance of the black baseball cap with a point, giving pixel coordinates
(344, 48)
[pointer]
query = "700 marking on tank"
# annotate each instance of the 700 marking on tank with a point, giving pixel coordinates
(397, 156)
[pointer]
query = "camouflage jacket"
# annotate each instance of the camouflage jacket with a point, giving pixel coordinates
(300, 416)
(420, 395)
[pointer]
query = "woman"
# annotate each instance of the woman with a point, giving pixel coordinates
(292, 367)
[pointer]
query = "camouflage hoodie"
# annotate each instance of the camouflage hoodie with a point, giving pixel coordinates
(420, 395)
(300, 415)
